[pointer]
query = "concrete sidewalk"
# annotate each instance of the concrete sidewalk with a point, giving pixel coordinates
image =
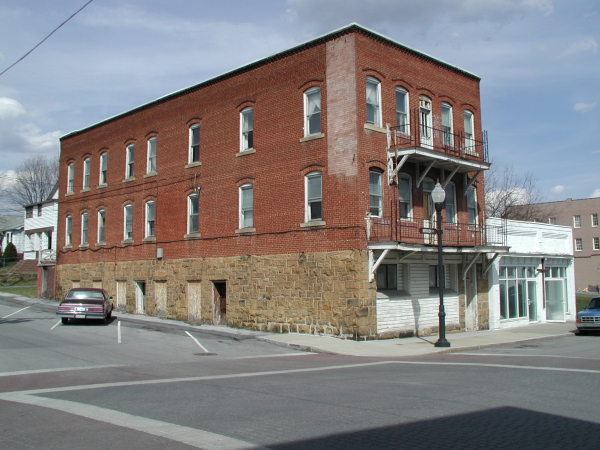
(385, 348)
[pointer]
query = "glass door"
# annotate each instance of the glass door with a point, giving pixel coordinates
(555, 300)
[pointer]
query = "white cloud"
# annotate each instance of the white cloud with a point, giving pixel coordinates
(559, 189)
(584, 45)
(584, 107)
(10, 108)
(595, 194)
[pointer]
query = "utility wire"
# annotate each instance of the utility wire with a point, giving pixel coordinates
(56, 29)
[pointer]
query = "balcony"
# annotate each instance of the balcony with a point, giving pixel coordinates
(47, 257)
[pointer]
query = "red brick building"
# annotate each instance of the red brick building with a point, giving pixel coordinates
(288, 195)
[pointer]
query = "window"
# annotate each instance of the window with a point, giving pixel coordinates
(128, 221)
(469, 133)
(404, 196)
(150, 218)
(433, 277)
(596, 243)
(39, 210)
(103, 167)
(29, 212)
(312, 111)
(375, 194)
(314, 198)
(194, 143)
(517, 292)
(68, 230)
(130, 156)
(552, 220)
(594, 220)
(151, 164)
(578, 244)
(402, 111)
(246, 206)
(387, 276)
(450, 203)
(373, 102)
(101, 224)
(87, 162)
(193, 210)
(425, 119)
(577, 221)
(472, 206)
(247, 126)
(84, 228)
(70, 178)
(447, 136)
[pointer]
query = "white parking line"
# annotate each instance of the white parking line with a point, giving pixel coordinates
(16, 312)
(196, 340)
(119, 332)
(55, 325)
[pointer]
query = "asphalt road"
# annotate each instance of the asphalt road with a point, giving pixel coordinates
(77, 387)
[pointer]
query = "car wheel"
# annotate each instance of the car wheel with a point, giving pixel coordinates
(109, 315)
(582, 332)
(64, 320)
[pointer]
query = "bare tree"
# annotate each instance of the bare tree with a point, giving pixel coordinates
(34, 179)
(510, 195)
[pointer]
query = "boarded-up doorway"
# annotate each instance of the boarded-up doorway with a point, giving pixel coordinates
(219, 302)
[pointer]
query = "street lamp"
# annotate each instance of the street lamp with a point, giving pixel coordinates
(438, 195)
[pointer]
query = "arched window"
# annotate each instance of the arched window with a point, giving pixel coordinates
(405, 196)
(101, 225)
(128, 222)
(312, 111)
(375, 193)
(373, 101)
(402, 111)
(447, 128)
(193, 213)
(68, 230)
(87, 163)
(469, 133)
(425, 120)
(151, 159)
(472, 205)
(102, 180)
(450, 203)
(247, 129)
(246, 206)
(84, 228)
(194, 139)
(150, 218)
(314, 196)
(70, 178)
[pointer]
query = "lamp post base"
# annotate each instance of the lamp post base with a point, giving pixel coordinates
(442, 343)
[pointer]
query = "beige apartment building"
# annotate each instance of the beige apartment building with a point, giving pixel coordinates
(582, 215)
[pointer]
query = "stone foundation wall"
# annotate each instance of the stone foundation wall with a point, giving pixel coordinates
(323, 293)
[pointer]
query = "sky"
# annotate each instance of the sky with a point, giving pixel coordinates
(538, 61)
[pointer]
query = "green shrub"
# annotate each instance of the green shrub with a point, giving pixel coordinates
(10, 252)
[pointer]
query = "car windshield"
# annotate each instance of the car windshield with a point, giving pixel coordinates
(85, 295)
(594, 303)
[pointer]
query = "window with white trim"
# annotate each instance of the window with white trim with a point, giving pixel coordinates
(194, 138)
(518, 289)
(596, 243)
(577, 221)
(373, 101)
(130, 158)
(402, 111)
(552, 220)
(103, 168)
(314, 196)
(375, 193)
(193, 213)
(68, 230)
(447, 129)
(128, 222)
(150, 218)
(405, 196)
(594, 220)
(469, 130)
(151, 159)
(312, 111)
(87, 163)
(101, 225)
(425, 119)
(472, 206)
(450, 203)
(246, 206)
(247, 128)
(578, 244)
(84, 228)
(70, 178)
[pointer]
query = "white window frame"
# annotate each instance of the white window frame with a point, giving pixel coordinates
(447, 125)
(194, 143)
(577, 221)
(425, 124)
(375, 193)
(373, 102)
(310, 200)
(130, 160)
(193, 203)
(68, 230)
(246, 206)
(469, 132)
(402, 116)
(151, 155)
(594, 219)
(312, 111)
(150, 219)
(471, 195)
(87, 164)
(70, 178)
(404, 177)
(102, 178)
(247, 129)
(596, 243)
(101, 237)
(451, 210)
(578, 244)
(128, 222)
(84, 228)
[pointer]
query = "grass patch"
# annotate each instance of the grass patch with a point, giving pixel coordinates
(29, 291)
(583, 298)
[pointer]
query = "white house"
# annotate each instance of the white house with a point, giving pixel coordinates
(11, 230)
(40, 229)
(535, 280)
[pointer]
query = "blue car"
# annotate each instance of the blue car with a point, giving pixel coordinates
(589, 318)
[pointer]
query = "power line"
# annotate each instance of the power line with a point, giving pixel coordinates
(42, 41)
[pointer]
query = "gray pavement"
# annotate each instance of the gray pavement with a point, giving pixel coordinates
(385, 348)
